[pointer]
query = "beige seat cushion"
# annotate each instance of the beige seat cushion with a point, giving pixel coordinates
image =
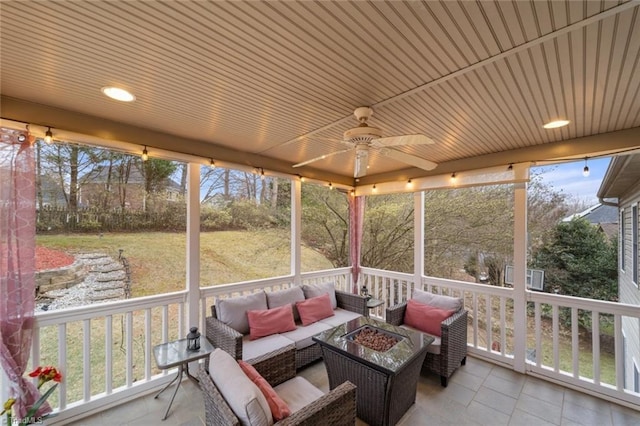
(340, 316)
(242, 395)
(297, 393)
(252, 349)
(301, 336)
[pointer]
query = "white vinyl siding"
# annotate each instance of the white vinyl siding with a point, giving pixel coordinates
(623, 239)
(634, 242)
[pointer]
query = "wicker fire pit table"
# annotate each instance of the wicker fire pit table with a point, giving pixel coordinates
(382, 360)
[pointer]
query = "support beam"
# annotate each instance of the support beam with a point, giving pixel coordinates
(193, 246)
(520, 277)
(418, 239)
(296, 230)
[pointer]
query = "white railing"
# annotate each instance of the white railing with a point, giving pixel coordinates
(572, 356)
(105, 350)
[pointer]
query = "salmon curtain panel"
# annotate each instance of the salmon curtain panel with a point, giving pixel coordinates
(356, 225)
(17, 264)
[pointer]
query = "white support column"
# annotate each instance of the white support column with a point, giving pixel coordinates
(520, 277)
(296, 230)
(418, 239)
(193, 246)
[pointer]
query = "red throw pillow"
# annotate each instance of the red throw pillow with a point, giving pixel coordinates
(279, 408)
(314, 309)
(270, 321)
(425, 318)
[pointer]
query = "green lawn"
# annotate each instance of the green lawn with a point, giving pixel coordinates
(158, 259)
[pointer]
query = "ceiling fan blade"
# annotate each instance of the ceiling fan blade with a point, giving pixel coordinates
(403, 140)
(362, 161)
(408, 158)
(322, 157)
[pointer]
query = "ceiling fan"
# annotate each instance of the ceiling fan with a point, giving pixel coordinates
(364, 138)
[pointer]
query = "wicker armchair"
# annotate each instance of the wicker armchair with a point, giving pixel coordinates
(453, 342)
(338, 407)
(226, 338)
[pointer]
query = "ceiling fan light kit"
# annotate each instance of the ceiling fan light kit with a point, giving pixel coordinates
(363, 138)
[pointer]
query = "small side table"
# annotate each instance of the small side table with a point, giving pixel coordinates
(373, 303)
(172, 354)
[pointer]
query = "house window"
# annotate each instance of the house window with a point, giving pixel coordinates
(634, 239)
(623, 235)
(636, 378)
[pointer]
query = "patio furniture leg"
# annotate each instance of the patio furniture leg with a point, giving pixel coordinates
(179, 379)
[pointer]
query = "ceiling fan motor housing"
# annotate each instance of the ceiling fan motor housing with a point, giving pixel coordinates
(362, 134)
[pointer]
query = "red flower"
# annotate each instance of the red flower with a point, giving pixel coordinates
(45, 374)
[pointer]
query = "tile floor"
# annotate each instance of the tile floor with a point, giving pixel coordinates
(479, 393)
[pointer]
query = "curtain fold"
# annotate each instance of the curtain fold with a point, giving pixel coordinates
(17, 264)
(356, 224)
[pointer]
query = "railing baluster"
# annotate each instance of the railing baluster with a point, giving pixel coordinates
(538, 334)
(108, 359)
(129, 346)
(619, 350)
(575, 343)
(488, 321)
(62, 361)
(475, 319)
(503, 328)
(86, 359)
(595, 341)
(556, 343)
(147, 343)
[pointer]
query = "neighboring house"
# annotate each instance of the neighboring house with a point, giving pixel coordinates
(96, 187)
(604, 216)
(620, 188)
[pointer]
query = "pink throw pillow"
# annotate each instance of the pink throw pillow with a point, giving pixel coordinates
(425, 318)
(279, 408)
(270, 321)
(315, 309)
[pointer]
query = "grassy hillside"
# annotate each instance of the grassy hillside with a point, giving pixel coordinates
(158, 259)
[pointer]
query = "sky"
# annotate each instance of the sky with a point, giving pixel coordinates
(568, 178)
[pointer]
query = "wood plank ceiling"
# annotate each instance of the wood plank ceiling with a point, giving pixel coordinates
(277, 82)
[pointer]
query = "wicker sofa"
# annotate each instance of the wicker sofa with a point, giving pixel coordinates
(447, 352)
(236, 340)
(338, 407)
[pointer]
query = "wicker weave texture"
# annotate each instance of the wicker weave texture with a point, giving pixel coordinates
(382, 398)
(337, 407)
(222, 336)
(453, 344)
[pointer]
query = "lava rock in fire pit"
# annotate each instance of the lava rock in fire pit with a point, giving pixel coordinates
(374, 339)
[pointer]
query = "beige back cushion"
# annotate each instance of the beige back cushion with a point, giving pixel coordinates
(437, 301)
(289, 296)
(233, 311)
(242, 395)
(319, 289)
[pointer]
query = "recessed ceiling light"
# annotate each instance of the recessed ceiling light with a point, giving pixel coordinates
(556, 124)
(118, 94)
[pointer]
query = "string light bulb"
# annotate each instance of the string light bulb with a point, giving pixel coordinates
(145, 154)
(453, 177)
(585, 171)
(261, 173)
(510, 167)
(353, 192)
(409, 184)
(212, 164)
(374, 189)
(48, 136)
(330, 185)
